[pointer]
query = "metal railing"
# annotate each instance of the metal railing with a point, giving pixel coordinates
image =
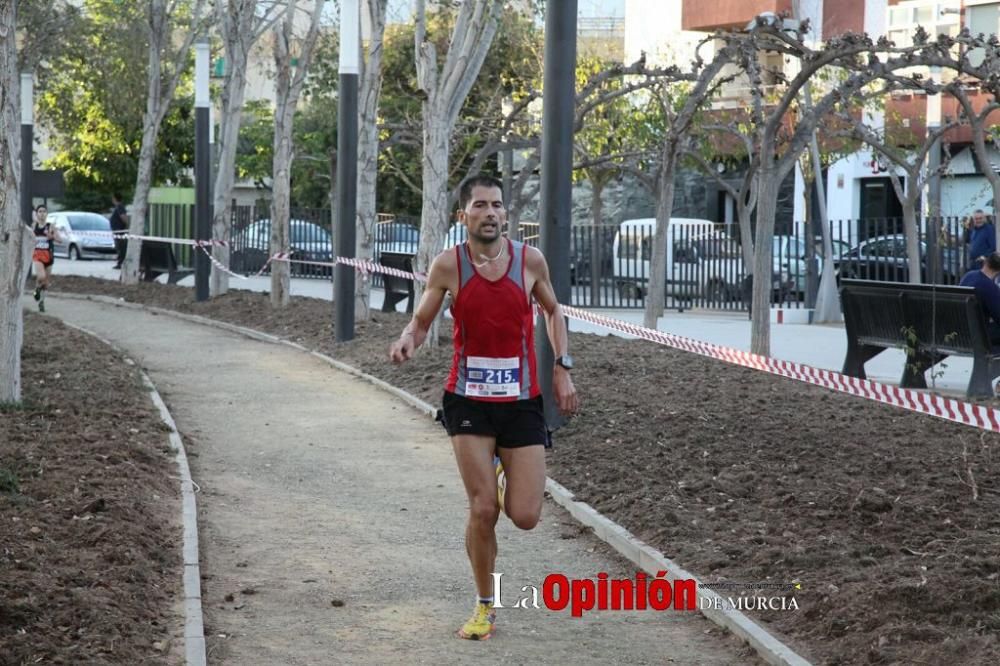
(610, 265)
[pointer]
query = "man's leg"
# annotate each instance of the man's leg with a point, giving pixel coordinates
(524, 467)
(120, 245)
(43, 277)
(474, 454)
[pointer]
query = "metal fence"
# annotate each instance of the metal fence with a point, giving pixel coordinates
(173, 221)
(610, 265)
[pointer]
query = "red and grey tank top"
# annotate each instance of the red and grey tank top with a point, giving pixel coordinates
(494, 339)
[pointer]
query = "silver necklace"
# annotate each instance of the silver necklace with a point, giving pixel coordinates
(489, 260)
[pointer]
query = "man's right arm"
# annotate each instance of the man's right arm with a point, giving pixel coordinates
(423, 315)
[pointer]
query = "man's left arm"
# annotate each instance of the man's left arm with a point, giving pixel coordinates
(555, 325)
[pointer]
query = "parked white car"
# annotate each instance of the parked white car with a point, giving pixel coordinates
(703, 261)
(82, 235)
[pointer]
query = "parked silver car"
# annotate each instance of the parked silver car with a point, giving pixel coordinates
(82, 235)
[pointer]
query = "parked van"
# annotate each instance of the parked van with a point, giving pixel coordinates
(704, 261)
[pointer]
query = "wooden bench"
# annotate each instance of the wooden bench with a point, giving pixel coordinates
(929, 322)
(396, 288)
(157, 258)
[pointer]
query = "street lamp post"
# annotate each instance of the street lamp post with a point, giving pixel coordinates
(27, 142)
(202, 170)
(556, 206)
(347, 168)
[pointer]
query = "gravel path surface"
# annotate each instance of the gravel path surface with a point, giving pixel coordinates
(331, 520)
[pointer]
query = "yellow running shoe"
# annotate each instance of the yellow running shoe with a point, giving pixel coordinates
(480, 626)
(501, 482)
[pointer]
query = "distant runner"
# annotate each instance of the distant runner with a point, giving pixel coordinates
(44, 255)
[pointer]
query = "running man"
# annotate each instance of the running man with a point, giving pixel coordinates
(492, 402)
(44, 254)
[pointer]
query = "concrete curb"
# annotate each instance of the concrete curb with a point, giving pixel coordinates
(652, 561)
(194, 629)
(772, 650)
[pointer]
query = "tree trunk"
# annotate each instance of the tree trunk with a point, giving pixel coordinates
(287, 88)
(656, 289)
(434, 213)
(16, 242)
(144, 173)
(596, 236)
(445, 93)
(281, 193)
(913, 262)
(368, 104)
(763, 264)
(238, 37)
(743, 214)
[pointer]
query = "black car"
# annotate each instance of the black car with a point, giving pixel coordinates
(309, 242)
(884, 258)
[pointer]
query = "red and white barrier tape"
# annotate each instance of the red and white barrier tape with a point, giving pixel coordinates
(279, 256)
(950, 409)
(176, 241)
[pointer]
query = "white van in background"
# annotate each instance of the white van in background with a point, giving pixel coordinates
(704, 260)
(633, 247)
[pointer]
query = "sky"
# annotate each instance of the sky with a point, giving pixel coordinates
(602, 8)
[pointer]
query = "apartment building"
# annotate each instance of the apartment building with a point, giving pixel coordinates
(857, 188)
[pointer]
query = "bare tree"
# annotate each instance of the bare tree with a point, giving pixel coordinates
(368, 148)
(15, 237)
(856, 63)
(163, 80)
(707, 78)
(912, 161)
(288, 87)
(445, 90)
(241, 23)
(744, 191)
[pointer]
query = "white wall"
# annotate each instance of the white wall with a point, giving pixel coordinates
(875, 17)
(654, 26)
(960, 195)
(813, 11)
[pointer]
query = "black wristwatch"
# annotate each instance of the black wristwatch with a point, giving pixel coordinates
(565, 361)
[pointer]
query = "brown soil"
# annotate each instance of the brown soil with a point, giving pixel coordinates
(90, 568)
(889, 520)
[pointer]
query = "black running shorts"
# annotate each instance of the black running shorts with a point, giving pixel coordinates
(516, 423)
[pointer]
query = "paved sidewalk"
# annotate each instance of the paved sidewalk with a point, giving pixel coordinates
(318, 488)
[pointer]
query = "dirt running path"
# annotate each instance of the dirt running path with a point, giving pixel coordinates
(319, 490)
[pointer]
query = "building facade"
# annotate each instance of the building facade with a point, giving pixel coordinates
(857, 185)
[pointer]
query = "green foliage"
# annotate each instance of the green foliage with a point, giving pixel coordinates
(313, 170)
(512, 69)
(91, 99)
(255, 149)
(624, 130)
(315, 138)
(43, 28)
